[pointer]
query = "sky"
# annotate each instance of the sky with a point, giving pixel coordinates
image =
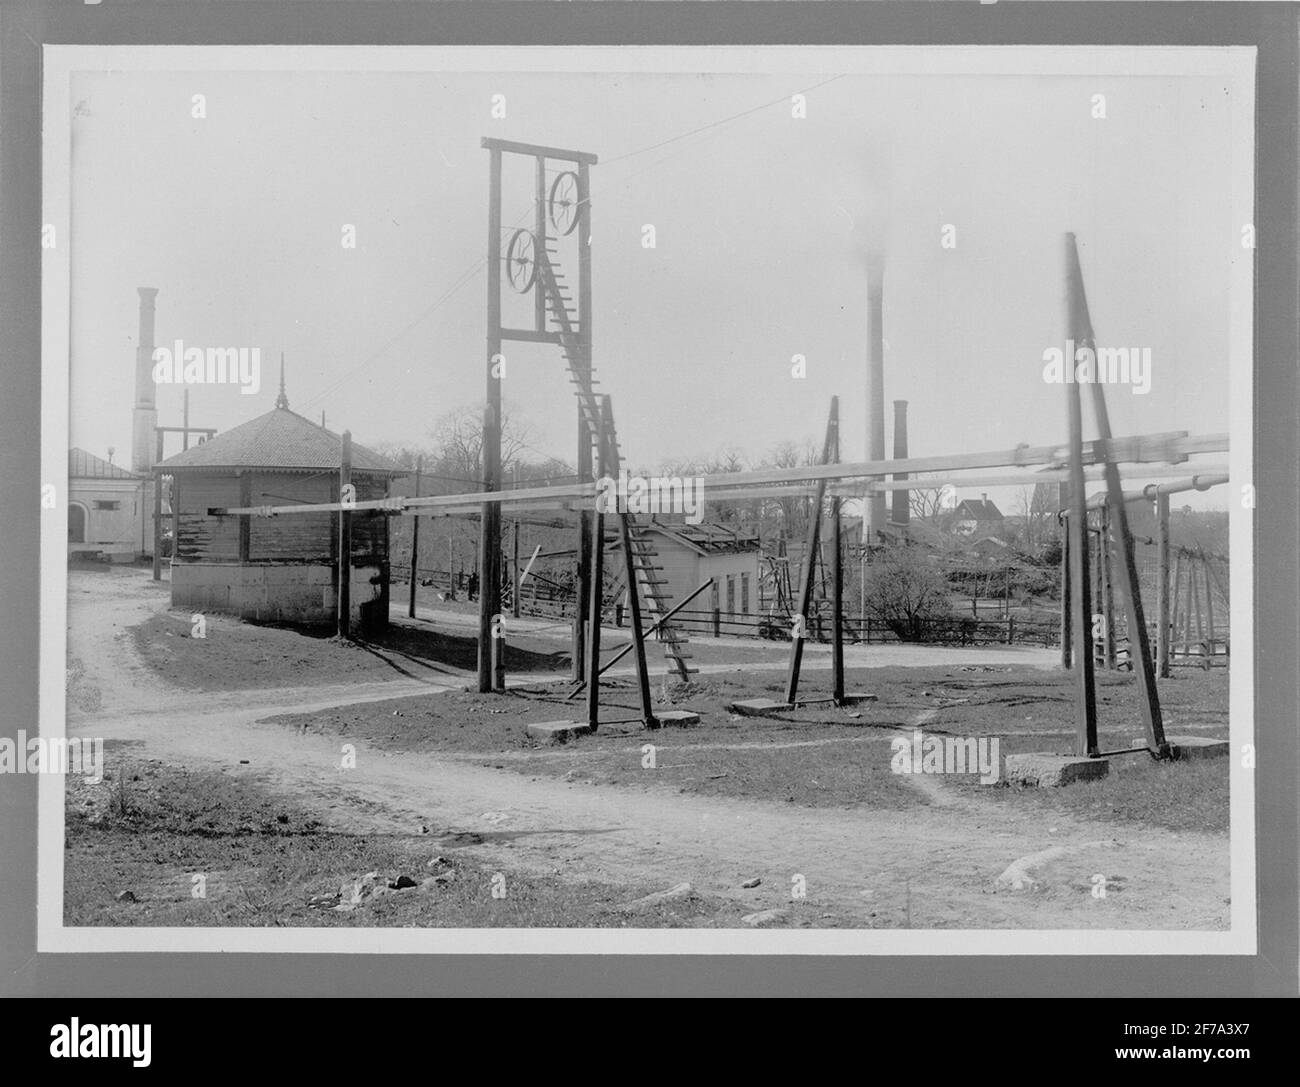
(764, 224)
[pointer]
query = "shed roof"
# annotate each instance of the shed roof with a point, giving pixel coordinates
(280, 439)
(83, 465)
(706, 539)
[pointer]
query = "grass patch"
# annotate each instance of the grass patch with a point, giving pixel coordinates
(819, 755)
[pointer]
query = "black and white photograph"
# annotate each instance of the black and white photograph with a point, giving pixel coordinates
(649, 499)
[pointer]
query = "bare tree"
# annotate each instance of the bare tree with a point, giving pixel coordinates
(927, 504)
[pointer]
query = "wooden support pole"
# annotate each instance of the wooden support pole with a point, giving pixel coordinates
(415, 543)
(609, 466)
(1179, 613)
(514, 576)
(157, 523)
(585, 437)
(837, 579)
(175, 497)
(245, 521)
(1162, 585)
(1066, 619)
(539, 237)
(593, 620)
(1085, 707)
(1107, 591)
(638, 635)
(489, 551)
(1209, 605)
(808, 573)
(1130, 589)
(344, 595)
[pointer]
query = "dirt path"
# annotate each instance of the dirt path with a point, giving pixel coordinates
(934, 866)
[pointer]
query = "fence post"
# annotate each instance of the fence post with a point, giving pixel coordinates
(717, 622)
(1011, 630)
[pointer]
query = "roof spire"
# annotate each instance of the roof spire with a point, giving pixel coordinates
(282, 401)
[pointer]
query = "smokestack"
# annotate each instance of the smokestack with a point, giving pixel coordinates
(145, 416)
(902, 511)
(875, 502)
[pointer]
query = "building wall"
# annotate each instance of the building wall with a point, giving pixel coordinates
(291, 573)
(200, 538)
(302, 593)
(296, 537)
(115, 533)
(686, 569)
(741, 616)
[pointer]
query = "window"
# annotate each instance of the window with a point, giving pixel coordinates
(731, 595)
(104, 504)
(744, 594)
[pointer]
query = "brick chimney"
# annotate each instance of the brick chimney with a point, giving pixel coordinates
(902, 510)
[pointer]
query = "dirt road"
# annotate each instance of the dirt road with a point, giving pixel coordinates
(935, 866)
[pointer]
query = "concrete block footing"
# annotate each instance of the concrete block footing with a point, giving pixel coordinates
(677, 718)
(758, 707)
(1196, 747)
(558, 732)
(1045, 771)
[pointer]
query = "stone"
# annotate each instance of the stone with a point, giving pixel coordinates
(858, 697)
(126, 896)
(749, 884)
(1044, 771)
(677, 718)
(401, 883)
(558, 732)
(682, 890)
(758, 707)
(763, 917)
(1196, 747)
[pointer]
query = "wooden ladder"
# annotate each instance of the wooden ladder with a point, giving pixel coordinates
(644, 574)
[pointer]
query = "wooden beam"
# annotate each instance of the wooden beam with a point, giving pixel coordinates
(489, 600)
(537, 149)
(1162, 586)
(808, 571)
(415, 543)
(837, 580)
(1139, 637)
(344, 595)
(1085, 706)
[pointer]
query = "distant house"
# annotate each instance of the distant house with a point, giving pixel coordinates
(282, 568)
(977, 517)
(106, 514)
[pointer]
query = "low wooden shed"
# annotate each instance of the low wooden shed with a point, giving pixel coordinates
(282, 568)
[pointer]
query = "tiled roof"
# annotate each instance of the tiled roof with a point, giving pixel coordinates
(279, 439)
(979, 510)
(83, 465)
